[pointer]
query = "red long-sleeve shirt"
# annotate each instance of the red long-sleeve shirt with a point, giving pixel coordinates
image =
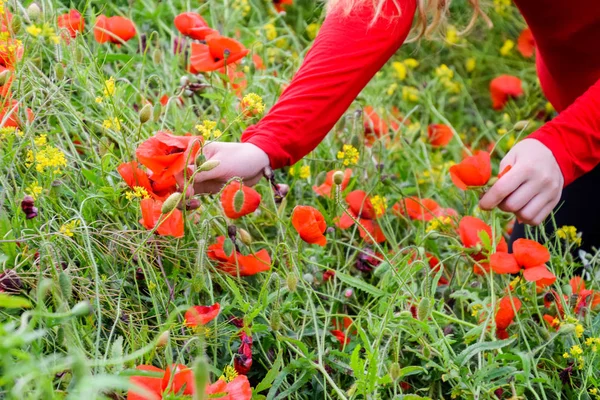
(348, 51)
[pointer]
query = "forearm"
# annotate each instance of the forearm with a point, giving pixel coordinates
(346, 54)
(574, 135)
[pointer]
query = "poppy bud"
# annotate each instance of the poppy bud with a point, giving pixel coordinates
(171, 202)
(157, 56)
(309, 278)
(163, 339)
(275, 321)
(4, 76)
(208, 165)
(59, 71)
(82, 308)
(395, 371)
(348, 293)
(184, 80)
(338, 177)
(192, 204)
(291, 282)
(34, 11)
(10, 282)
(424, 309)
(66, 288)
(15, 24)
(145, 114)
(238, 200)
(245, 237)
(188, 93)
(521, 125)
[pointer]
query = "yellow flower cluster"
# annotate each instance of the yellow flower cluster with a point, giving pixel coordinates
(34, 190)
(270, 31)
(575, 352)
(114, 124)
(108, 91)
(410, 94)
(569, 234)
(594, 343)
(312, 30)
(452, 35)
(502, 6)
(349, 154)
(379, 205)
(446, 75)
(207, 129)
(594, 392)
(243, 6)
(475, 308)
(507, 47)
(438, 224)
(304, 171)
(470, 64)
(7, 131)
(229, 373)
(138, 192)
(44, 31)
(46, 157)
(253, 102)
(67, 229)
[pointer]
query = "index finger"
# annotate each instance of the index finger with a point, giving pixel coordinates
(507, 184)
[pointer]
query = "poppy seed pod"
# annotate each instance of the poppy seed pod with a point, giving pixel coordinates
(424, 309)
(157, 56)
(338, 177)
(59, 71)
(395, 371)
(171, 203)
(145, 113)
(292, 282)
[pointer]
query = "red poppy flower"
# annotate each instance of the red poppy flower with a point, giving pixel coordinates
(360, 204)
(439, 135)
(278, 4)
(526, 43)
(166, 154)
(246, 265)
(540, 275)
(325, 188)
(374, 126)
(341, 337)
(360, 208)
(551, 321)
(238, 389)
(11, 52)
(153, 385)
(191, 24)
(258, 62)
(135, 176)
(167, 225)
(5, 20)
(236, 78)
(419, 209)
(238, 200)
(370, 231)
(310, 224)
(9, 115)
(182, 380)
(201, 315)
(472, 171)
(506, 314)
(72, 22)
(216, 53)
(469, 229)
(504, 87)
(530, 253)
(115, 29)
(504, 263)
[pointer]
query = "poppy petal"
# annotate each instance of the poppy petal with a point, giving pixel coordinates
(530, 253)
(310, 224)
(541, 275)
(504, 263)
(153, 385)
(201, 315)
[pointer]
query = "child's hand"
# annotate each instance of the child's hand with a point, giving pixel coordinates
(243, 160)
(532, 187)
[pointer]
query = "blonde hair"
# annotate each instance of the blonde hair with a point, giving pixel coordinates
(431, 14)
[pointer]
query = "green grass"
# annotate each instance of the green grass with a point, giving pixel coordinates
(93, 305)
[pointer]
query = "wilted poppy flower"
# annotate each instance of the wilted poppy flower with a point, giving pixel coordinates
(72, 22)
(310, 224)
(237, 262)
(374, 126)
(439, 135)
(506, 314)
(166, 155)
(472, 171)
(238, 200)
(530, 253)
(504, 87)
(278, 4)
(167, 224)
(421, 209)
(28, 207)
(115, 29)
(469, 229)
(325, 188)
(526, 43)
(243, 358)
(9, 115)
(216, 53)
(201, 315)
(191, 24)
(134, 176)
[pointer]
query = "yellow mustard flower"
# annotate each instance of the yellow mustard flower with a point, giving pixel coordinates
(507, 47)
(470, 64)
(379, 205)
(569, 234)
(312, 30)
(253, 103)
(400, 70)
(349, 154)
(67, 229)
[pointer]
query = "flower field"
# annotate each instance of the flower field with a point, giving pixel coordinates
(365, 271)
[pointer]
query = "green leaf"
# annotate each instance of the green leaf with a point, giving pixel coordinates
(412, 370)
(267, 381)
(359, 284)
(477, 348)
(11, 301)
(486, 242)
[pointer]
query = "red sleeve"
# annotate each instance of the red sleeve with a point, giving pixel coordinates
(346, 54)
(574, 135)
